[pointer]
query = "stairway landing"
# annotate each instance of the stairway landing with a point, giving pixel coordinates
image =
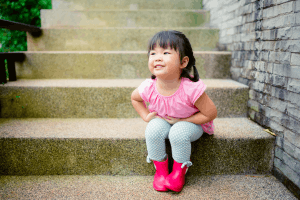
(140, 187)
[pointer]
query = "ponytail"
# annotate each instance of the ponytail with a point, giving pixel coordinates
(185, 73)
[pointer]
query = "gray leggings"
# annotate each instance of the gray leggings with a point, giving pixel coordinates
(180, 134)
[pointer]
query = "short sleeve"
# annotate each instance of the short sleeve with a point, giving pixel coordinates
(144, 89)
(194, 90)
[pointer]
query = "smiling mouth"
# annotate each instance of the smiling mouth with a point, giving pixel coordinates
(158, 66)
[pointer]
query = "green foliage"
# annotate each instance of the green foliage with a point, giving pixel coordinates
(24, 11)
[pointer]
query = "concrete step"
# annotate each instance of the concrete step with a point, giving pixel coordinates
(114, 39)
(101, 98)
(118, 147)
(110, 65)
(124, 18)
(140, 187)
(126, 4)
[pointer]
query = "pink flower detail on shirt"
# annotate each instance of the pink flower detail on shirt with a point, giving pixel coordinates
(208, 127)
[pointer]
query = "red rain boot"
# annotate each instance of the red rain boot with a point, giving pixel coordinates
(176, 179)
(162, 171)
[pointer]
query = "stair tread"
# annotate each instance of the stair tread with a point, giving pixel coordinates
(111, 38)
(101, 98)
(124, 18)
(112, 128)
(136, 28)
(140, 187)
(127, 10)
(78, 83)
(131, 4)
(116, 52)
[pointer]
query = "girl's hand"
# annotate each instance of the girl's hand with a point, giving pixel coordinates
(151, 116)
(171, 120)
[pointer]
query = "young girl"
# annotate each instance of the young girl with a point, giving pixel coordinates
(179, 109)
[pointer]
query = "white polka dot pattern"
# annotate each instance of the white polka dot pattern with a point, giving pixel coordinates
(180, 134)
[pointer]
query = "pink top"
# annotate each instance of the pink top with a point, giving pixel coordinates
(178, 105)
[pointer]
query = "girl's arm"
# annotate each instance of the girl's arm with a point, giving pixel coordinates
(207, 108)
(138, 105)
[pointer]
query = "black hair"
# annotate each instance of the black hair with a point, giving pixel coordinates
(177, 41)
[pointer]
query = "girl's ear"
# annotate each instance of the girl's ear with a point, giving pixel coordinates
(184, 62)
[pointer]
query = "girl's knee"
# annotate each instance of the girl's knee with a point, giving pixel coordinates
(157, 128)
(178, 132)
(182, 131)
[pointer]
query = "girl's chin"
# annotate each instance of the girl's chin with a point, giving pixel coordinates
(158, 73)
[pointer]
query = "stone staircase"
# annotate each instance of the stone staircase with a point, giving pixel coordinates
(68, 120)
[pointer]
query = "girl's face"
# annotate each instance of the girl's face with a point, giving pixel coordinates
(165, 63)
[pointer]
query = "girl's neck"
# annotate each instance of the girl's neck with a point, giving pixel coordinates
(168, 85)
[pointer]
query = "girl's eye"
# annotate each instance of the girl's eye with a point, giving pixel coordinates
(166, 53)
(152, 53)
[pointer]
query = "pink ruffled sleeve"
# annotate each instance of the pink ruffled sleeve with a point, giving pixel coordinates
(144, 89)
(194, 90)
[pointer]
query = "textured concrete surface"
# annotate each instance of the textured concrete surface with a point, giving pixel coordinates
(128, 4)
(115, 39)
(110, 65)
(101, 98)
(140, 187)
(118, 147)
(124, 18)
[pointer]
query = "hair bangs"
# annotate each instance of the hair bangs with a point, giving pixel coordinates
(164, 40)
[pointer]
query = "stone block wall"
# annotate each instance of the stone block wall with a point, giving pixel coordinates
(264, 36)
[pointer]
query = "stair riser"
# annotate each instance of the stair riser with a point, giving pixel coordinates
(114, 39)
(110, 66)
(104, 18)
(128, 4)
(128, 157)
(104, 102)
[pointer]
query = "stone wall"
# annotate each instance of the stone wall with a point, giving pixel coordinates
(264, 37)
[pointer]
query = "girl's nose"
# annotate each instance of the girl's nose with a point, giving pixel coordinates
(158, 58)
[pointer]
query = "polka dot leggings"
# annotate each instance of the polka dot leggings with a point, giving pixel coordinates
(180, 134)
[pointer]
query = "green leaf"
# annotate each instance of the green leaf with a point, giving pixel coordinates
(24, 11)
